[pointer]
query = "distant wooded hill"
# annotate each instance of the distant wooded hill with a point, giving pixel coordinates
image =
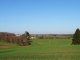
(52, 36)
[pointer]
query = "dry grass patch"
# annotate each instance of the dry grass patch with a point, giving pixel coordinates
(4, 46)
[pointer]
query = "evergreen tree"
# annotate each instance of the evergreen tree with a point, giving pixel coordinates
(26, 40)
(76, 37)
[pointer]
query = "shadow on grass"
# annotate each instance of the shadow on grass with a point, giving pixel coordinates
(6, 51)
(30, 42)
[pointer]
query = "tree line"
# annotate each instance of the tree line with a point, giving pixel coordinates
(24, 39)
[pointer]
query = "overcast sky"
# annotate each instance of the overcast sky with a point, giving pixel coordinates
(40, 16)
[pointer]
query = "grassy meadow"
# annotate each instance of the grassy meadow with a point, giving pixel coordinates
(41, 49)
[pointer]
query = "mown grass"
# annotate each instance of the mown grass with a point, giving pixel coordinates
(42, 49)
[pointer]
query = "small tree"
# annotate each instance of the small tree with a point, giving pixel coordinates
(76, 37)
(27, 34)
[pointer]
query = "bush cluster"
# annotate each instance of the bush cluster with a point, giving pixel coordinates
(12, 38)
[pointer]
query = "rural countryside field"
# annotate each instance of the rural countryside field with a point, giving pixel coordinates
(39, 29)
(41, 49)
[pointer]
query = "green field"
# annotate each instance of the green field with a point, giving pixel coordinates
(41, 49)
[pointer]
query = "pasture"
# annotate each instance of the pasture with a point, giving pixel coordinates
(41, 49)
